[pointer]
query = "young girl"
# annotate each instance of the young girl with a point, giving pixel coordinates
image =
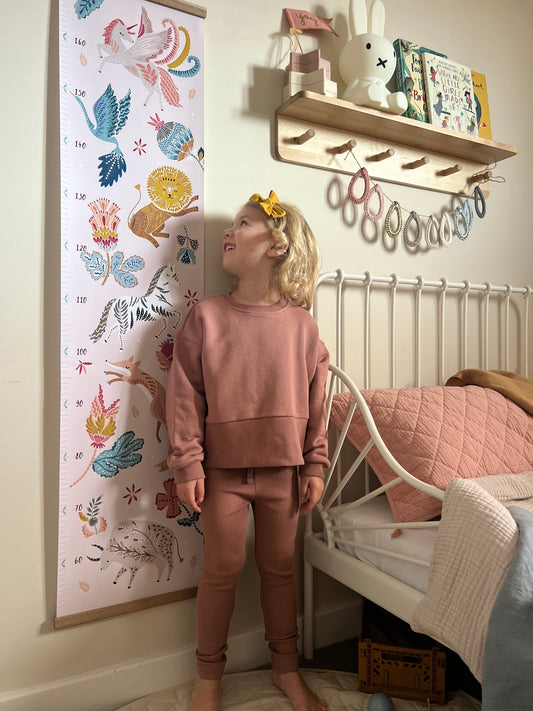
(245, 411)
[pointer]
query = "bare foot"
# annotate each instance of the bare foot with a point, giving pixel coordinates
(206, 696)
(298, 693)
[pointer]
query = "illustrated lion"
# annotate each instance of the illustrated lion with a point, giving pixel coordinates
(170, 193)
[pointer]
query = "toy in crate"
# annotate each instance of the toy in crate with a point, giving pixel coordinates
(404, 672)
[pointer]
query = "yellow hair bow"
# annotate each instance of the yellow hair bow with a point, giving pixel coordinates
(270, 204)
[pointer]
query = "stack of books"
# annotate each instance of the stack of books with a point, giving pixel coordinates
(440, 91)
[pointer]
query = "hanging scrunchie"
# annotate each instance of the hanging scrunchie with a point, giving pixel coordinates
(432, 226)
(394, 208)
(467, 209)
(458, 214)
(361, 173)
(479, 197)
(466, 216)
(415, 242)
(270, 204)
(374, 190)
(445, 224)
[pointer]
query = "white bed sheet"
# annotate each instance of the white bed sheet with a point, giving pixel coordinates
(410, 542)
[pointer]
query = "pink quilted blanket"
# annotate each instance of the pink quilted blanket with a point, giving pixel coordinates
(438, 434)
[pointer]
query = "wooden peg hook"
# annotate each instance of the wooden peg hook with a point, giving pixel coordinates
(345, 146)
(451, 170)
(480, 177)
(417, 163)
(383, 155)
(307, 136)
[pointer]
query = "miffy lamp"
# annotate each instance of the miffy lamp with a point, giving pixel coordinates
(368, 60)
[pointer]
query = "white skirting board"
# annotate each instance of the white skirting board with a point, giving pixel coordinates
(110, 688)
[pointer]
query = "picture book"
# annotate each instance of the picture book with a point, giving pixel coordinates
(450, 94)
(410, 77)
(482, 105)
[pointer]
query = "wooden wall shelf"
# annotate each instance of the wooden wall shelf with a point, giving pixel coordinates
(316, 130)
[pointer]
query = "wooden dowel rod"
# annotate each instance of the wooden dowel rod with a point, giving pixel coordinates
(480, 177)
(417, 163)
(345, 146)
(304, 137)
(451, 170)
(383, 155)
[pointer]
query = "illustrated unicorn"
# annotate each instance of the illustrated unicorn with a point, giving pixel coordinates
(146, 55)
(155, 305)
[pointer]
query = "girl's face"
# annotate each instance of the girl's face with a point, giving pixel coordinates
(248, 244)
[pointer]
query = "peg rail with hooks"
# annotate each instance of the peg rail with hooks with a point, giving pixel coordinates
(331, 134)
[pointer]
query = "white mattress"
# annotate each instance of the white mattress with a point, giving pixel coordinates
(411, 542)
(254, 691)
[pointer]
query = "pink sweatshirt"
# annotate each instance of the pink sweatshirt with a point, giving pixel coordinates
(247, 389)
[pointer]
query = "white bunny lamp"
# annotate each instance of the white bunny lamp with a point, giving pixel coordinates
(368, 60)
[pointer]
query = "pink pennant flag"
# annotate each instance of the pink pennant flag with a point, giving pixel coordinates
(304, 21)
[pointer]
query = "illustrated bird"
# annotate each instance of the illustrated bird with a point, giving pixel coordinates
(110, 115)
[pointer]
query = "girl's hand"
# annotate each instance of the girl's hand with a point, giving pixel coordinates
(311, 488)
(191, 493)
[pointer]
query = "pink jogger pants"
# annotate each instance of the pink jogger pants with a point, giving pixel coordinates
(273, 495)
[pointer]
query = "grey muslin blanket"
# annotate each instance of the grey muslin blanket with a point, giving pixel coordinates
(508, 671)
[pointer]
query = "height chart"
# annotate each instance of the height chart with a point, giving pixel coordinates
(132, 162)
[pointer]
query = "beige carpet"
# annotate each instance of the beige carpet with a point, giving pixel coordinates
(254, 691)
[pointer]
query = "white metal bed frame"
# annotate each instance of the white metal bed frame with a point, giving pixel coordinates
(441, 289)
(320, 549)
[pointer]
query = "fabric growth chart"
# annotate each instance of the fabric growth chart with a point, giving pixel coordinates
(132, 206)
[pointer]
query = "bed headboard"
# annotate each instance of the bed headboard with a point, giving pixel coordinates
(390, 331)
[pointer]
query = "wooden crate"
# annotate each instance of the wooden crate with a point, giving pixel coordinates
(404, 672)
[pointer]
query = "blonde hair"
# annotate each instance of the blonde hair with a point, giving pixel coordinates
(296, 270)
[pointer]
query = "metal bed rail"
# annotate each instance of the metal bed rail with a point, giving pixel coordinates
(507, 296)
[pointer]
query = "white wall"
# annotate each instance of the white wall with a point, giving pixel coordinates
(246, 48)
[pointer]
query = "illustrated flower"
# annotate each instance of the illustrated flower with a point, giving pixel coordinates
(98, 528)
(187, 253)
(101, 423)
(140, 146)
(104, 222)
(132, 493)
(93, 523)
(168, 500)
(100, 426)
(175, 140)
(192, 298)
(81, 367)
(164, 354)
